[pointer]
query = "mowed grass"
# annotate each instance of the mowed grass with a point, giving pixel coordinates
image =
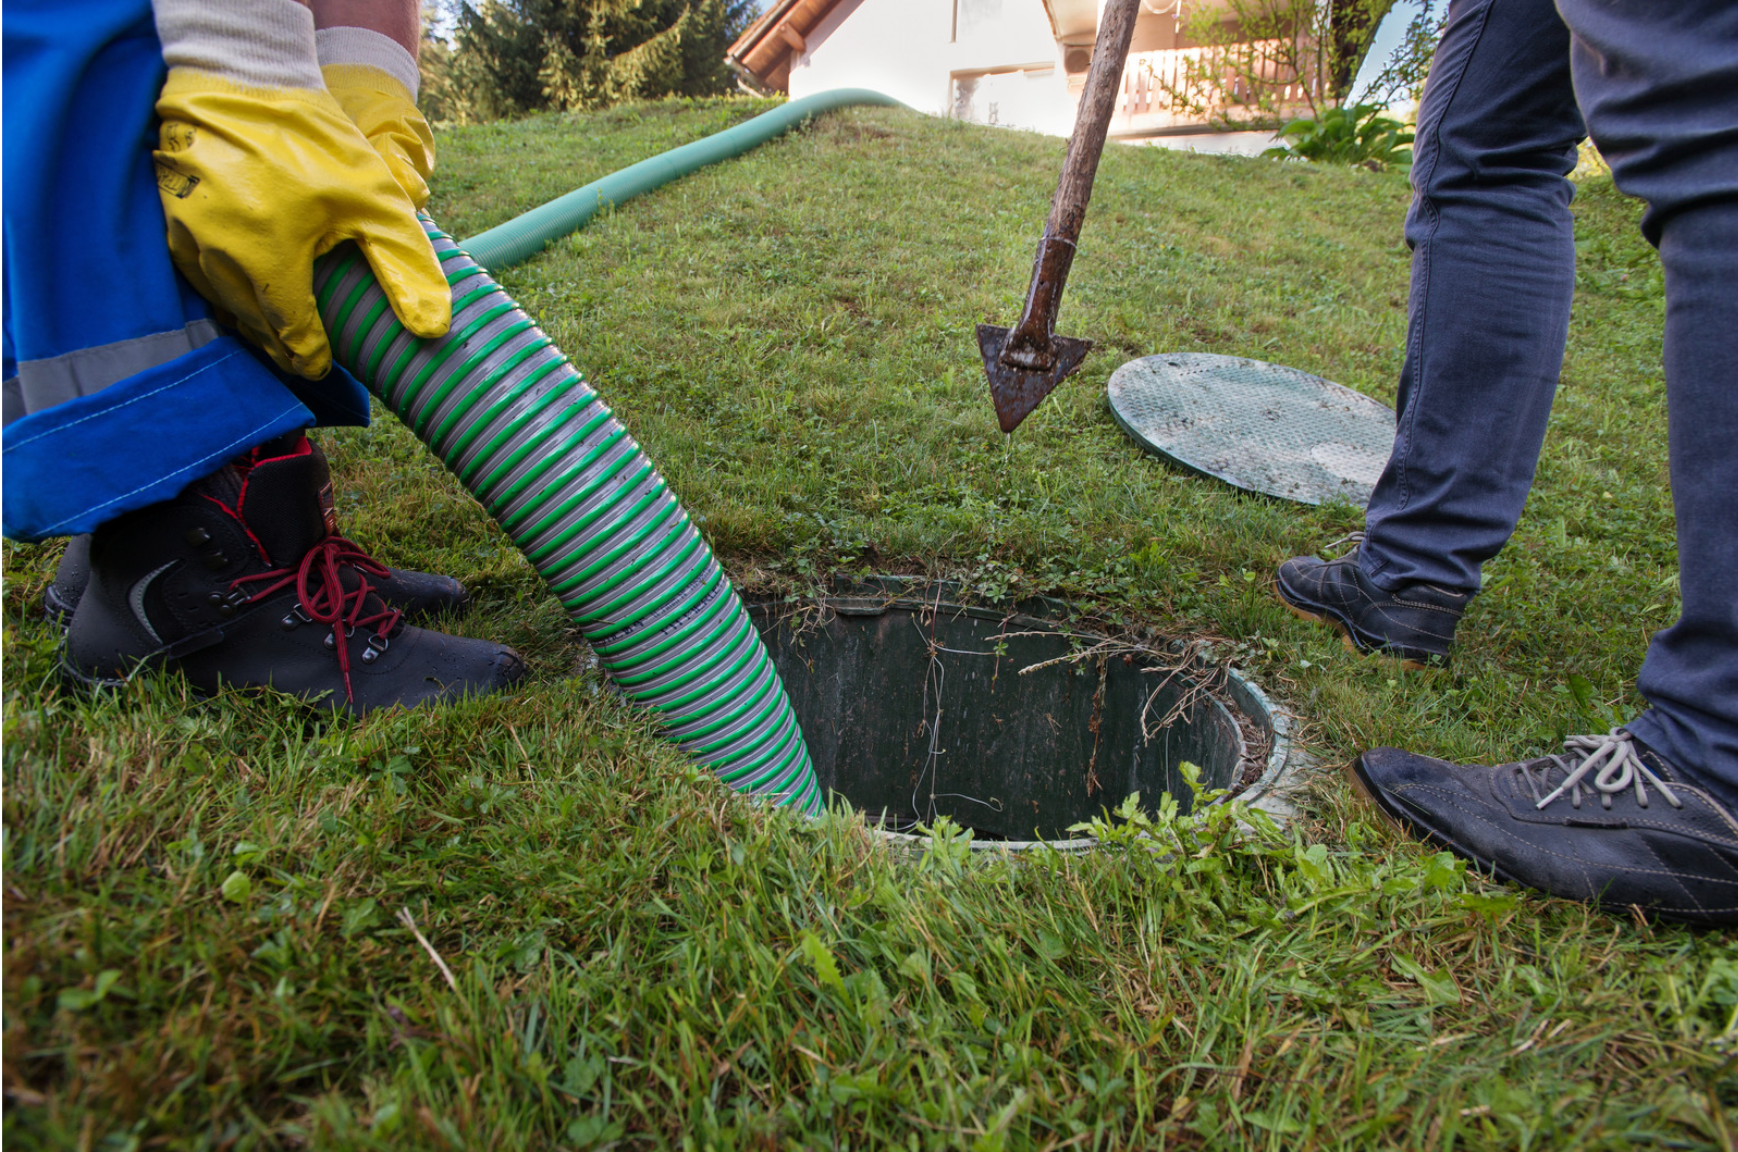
(204, 946)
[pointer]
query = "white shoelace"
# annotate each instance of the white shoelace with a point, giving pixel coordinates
(1614, 764)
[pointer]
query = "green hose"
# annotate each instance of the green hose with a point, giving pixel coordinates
(525, 235)
(500, 405)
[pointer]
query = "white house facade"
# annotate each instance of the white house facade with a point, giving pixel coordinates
(1010, 63)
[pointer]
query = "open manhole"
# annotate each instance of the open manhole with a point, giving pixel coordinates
(1016, 724)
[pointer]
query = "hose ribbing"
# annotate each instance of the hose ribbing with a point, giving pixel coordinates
(500, 405)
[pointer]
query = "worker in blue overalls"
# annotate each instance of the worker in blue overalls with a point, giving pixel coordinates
(172, 170)
(1642, 815)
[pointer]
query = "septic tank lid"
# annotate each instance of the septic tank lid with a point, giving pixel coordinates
(1257, 426)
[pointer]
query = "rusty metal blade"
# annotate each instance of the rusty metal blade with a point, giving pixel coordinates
(1017, 391)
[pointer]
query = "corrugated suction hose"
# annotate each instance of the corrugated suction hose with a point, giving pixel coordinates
(500, 405)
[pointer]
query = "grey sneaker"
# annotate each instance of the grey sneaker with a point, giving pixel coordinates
(1608, 820)
(1414, 624)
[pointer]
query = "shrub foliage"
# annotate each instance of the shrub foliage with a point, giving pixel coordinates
(1360, 134)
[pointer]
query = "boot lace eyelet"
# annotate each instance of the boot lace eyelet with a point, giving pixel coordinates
(294, 618)
(323, 596)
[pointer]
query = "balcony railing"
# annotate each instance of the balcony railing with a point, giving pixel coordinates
(1179, 87)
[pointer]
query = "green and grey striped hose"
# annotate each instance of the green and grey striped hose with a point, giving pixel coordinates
(500, 405)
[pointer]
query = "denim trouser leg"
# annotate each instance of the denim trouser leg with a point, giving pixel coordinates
(1659, 85)
(1493, 272)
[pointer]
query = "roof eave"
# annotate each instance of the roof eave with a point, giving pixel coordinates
(759, 30)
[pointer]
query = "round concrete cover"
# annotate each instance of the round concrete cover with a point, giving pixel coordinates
(1256, 426)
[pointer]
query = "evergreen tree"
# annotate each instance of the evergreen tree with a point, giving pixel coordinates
(515, 56)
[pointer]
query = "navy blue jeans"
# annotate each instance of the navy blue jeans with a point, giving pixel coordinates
(1493, 272)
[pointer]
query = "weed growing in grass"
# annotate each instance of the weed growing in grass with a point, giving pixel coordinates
(212, 908)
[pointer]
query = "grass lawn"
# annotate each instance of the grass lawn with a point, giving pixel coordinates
(204, 945)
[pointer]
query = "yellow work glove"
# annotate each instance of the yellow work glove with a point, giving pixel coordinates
(383, 109)
(259, 182)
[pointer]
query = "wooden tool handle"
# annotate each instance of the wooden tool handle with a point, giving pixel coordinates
(1092, 122)
(1029, 346)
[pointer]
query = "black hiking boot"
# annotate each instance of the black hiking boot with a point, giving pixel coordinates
(1414, 624)
(416, 594)
(239, 582)
(1608, 821)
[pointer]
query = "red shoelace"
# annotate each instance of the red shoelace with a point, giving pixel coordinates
(329, 603)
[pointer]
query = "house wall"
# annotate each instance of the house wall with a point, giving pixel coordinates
(1000, 62)
(1002, 52)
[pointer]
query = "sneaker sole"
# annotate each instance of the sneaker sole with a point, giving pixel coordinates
(1347, 638)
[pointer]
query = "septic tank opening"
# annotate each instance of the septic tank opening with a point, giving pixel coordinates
(1012, 724)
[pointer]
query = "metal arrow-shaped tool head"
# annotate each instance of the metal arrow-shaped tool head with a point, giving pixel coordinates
(1026, 362)
(1016, 389)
